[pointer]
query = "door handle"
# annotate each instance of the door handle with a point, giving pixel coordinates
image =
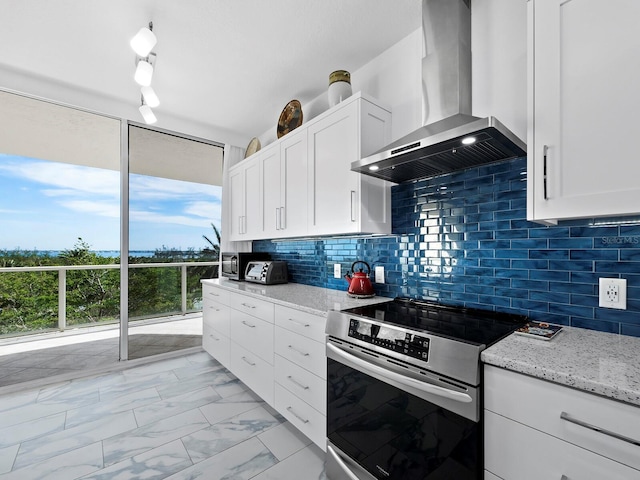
(565, 416)
(545, 149)
(353, 204)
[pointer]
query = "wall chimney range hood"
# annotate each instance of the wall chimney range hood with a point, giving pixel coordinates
(451, 139)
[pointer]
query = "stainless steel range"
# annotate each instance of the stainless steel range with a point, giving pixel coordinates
(404, 390)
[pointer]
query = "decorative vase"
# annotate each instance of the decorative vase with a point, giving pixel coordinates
(339, 87)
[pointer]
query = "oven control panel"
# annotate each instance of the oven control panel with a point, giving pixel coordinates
(390, 338)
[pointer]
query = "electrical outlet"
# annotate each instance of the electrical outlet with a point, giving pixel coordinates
(379, 274)
(612, 293)
(337, 270)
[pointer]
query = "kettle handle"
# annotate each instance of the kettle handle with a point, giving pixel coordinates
(360, 261)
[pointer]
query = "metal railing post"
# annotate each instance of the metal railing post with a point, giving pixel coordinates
(62, 299)
(183, 285)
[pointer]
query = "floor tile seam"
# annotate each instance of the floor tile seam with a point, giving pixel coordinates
(179, 413)
(54, 458)
(33, 420)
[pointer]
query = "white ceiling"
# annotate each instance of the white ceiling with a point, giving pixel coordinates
(231, 64)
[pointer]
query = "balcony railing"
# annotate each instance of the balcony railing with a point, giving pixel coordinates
(62, 282)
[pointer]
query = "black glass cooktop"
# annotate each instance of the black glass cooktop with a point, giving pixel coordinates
(480, 327)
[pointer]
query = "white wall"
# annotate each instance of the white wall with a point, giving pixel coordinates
(499, 58)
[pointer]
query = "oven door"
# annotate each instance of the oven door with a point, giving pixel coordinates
(377, 429)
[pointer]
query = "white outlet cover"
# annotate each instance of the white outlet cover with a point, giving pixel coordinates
(337, 270)
(603, 288)
(379, 274)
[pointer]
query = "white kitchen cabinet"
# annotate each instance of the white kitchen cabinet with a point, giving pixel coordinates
(216, 315)
(583, 105)
(342, 201)
(305, 183)
(536, 429)
(284, 186)
(245, 211)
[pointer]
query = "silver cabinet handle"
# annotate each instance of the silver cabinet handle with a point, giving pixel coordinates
(248, 305)
(215, 338)
(545, 149)
(283, 223)
(340, 462)
(297, 383)
(300, 324)
(290, 409)
(214, 308)
(240, 224)
(213, 294)
(565, 416)
(248, 361)
(304, 354)
(353, 204)
(277, 218)
(244, 322)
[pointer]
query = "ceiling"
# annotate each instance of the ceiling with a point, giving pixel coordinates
(231, 64)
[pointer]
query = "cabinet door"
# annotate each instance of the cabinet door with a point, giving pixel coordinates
(252, 209)
(293, 179)
(236, 184)
(584, 100)
(334, 143)
(271, 203)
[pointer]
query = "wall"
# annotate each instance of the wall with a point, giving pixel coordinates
(463, 239)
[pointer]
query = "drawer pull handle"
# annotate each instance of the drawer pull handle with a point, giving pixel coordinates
(300, 324)
(213, 294)
(248, 361)
(244, 322)
(215, 309)
(216, 339)
(568, 418)
(247, 305)
(290, 409)
(298, 351)
(297, 383)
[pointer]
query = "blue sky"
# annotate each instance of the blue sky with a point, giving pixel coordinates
(47, 205)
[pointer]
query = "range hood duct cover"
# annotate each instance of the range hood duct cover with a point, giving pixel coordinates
(437, 148)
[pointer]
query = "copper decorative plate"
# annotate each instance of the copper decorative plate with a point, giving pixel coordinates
(290, 118)
(253, 147)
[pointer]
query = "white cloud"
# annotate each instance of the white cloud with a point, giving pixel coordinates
(202, 209)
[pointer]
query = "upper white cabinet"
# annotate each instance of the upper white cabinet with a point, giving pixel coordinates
(583, 105)
(246, 216)
(342, 201)
(306, 186)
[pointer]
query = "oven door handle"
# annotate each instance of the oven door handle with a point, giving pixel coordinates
(398, 377)
(343, 466)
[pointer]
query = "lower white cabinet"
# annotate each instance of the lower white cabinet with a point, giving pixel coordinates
(277, 351)
(536, 429)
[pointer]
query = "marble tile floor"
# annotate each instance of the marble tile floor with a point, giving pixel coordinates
(42, 356)
(180, 418)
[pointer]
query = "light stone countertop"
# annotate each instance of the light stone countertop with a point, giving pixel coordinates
(602, 363)
(315, 300)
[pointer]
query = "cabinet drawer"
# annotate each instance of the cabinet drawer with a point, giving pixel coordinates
(253, 371)
(516, 452)
(253, 306)
(217, 315)
(217, 294)
(302, 351)
(305, 418)
(307, 324)
(253, 334)
(303, 384)
(215, 344)
(540, 404)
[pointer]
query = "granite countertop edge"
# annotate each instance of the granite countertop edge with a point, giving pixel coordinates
(601, 363)
(307, 298)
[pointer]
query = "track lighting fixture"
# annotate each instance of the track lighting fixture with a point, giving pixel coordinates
(142, 44)
(150, 97)
(144, 41)
(147, 114)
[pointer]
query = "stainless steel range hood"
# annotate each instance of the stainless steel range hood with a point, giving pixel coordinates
(452, 139)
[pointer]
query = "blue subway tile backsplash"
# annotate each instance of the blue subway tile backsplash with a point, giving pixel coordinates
(463, 239)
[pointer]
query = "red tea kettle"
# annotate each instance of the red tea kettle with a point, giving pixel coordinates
(359, 285)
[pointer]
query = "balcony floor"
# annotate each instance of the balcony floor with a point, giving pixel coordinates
(32, 359)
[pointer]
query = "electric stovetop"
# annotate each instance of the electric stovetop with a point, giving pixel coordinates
(470, 325)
